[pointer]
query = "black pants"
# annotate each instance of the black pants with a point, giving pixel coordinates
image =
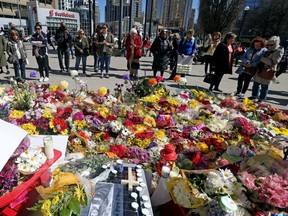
(282, 66)
(174, 68)
(217, 80)
(243, 78)
(42, 62)
(155, 72)
(66, 53)
(208, 60)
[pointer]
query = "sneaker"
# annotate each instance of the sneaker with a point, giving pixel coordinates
(252, 98)
(241, 96)
(107, 75)
(41, 79)
(61, 71)
(218, 90)
(101, 76)
(276, 81)
(46, 79)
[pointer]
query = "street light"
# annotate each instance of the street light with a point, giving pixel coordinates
(244, 15)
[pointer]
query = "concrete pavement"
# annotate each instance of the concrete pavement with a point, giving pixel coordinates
(277, 96)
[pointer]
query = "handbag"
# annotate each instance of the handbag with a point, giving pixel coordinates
(209, 78)
(135, 65)
(266, 73)
(250, 70)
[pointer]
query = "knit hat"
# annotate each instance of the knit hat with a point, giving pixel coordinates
(274, 40)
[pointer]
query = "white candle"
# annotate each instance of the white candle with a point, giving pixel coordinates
(48, 147)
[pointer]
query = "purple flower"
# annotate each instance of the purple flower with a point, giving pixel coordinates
(33, 74)
(78, 116)
(9, 177)
(126, 77)
(152, 144)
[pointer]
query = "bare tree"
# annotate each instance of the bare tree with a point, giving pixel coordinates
(269, 19)
(219, 15)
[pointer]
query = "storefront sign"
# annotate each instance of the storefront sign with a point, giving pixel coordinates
(61, 14)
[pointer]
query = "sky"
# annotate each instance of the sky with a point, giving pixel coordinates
(102, 4)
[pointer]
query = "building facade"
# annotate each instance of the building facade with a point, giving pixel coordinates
(112, 9)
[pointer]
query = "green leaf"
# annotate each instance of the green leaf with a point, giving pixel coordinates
(231, 158)
(65, 212)
(74, 205)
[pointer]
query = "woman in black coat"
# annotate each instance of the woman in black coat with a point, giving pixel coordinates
(160, 49)
(223, 60)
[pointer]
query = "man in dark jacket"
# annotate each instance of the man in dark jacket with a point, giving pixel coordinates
(64, 40)
(160, 49)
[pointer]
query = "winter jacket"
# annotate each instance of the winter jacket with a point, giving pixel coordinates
(221, 59)
(3, 61)
(137, 49)
(109, 49)
(40, 48)
(63, 38)
(187, 47)
(81, 45)
(160, 49)
(11, 51)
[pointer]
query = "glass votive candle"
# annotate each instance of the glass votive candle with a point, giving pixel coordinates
(145, 198)
(134, 195)
(135, 205)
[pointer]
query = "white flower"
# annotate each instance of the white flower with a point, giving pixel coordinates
(227, 175)
(115, 126)
(182, 81)
(73, 73)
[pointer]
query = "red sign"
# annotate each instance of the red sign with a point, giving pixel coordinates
(61, 14)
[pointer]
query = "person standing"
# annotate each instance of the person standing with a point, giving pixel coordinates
(17, 55)
(81, 50)
(105, 49)
(49, 39)
(160, 49)
(282, 66)
(248, 68)
(223, 60)
(146, 47)
(40, 44)
(13, 27)
(267, 68)
(94, 47)
(133, 45)
(3, 60)
(210, 45)
(239, 51)
(188, 45)
(174, 55)
(64, 40)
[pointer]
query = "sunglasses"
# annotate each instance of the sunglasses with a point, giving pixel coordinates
(270, 44)
(37, 28)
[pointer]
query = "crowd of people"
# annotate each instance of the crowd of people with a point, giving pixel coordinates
(263, 61)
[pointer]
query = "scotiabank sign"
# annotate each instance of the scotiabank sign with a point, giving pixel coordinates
(61, 14)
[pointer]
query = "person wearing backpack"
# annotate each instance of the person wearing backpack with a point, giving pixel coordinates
(64, 41)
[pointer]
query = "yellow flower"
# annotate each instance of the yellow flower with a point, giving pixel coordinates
(172, 101)
(102, 91)
(16, 114)
(104, 111)
(139, 128)
(248, 104)
(193, 103)
(47, 113)
(53, 87)
(64, 85)
(79, 194)
(149, 121)
(1, 91)
(55, 200)
(30, 128)
(151, 98)
(142, 143)
(80, 124)
(98, 135)
(45, 209)
(282, 131)
(159, 134)
(203, 147)
(160, 92)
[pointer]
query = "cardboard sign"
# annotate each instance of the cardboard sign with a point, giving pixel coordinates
(10, 138)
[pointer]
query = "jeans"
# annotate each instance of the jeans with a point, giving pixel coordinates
(263, 90)
(42, 62)
(64, 52)
(84, 60)
(246, 78)
(22, 67)
(96, 61)
(105, 59)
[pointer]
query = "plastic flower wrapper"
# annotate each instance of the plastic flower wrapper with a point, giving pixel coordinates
(64, 197)
(217, 124)
(74, 73)
(266, 178)
(185, 195)
(9, 177)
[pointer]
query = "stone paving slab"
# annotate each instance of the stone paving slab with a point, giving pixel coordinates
(277, 96)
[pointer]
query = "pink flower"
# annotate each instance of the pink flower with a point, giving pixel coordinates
(159, 79)
(78, 116)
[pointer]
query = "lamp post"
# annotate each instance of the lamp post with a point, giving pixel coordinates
(243, 19)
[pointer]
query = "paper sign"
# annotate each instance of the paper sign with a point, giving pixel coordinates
(59, 143)
(10, 138)
(184, 64)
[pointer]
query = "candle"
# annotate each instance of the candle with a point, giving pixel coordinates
(48, 147)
